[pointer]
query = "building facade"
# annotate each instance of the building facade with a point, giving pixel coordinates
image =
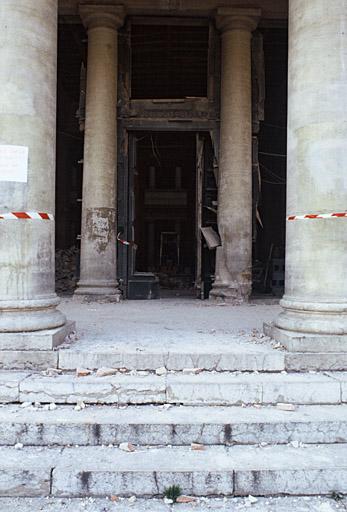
(167, 171)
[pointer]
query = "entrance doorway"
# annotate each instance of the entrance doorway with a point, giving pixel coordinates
(163, 210)
(171, 195)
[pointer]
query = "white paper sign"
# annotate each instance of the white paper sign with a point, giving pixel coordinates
(14, 163)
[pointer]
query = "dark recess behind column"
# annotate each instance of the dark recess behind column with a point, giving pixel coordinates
(71, 54)
(273, 146)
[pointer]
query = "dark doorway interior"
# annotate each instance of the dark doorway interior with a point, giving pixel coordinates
(165, 208)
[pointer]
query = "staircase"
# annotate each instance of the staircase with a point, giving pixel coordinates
(235, 424)
(133, 434)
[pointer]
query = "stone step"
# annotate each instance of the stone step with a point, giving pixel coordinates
(220, 357)
(206, 388)
(315, 361)
(241, 361)
(216, 471)
(28, 359)
(278, 504)
(217, 354)
(176, 426)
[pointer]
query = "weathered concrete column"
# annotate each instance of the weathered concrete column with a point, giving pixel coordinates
(315, 300)
(28, 55)
(234, 257)
(98, 245)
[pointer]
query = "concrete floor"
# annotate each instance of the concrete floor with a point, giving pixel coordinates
(175, 321)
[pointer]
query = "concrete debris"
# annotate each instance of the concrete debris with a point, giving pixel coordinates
(105, 372)
(251, 499)
(50, 407)
(82, 372)
(24, 405)
(164, 407)
(127, 447)
(73, 336)
(186, 499)
(286, 407)
(192, 370)
(197, 447)
(80, 406)
(161, 371)
(18, 446)
(51, 372)
(132, 499)
(296, 444)
(168, 501)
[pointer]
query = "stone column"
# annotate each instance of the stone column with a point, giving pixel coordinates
(28, 55)
(315, 300)
(234, 257)
(98, 244)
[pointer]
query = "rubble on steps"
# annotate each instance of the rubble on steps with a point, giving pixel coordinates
(285, 504)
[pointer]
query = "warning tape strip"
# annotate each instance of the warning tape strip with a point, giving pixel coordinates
(318, 216)
(26, 215)
(125, 242)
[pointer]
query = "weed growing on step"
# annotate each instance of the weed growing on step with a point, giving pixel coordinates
(173, 492)
(336, 496)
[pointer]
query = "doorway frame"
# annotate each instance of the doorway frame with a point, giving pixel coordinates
(125, 262)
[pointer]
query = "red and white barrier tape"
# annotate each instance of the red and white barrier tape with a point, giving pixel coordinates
(26, 215)
(125, 242)
(318, 216)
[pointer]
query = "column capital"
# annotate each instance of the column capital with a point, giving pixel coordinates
(93, 16)
(237, 18)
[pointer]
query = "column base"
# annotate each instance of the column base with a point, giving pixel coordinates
(321, 318)
(227, 288)
(306, 342)
(32, 350)
(99, 289)
(228, 294)
(30, 315)
(39, 340)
